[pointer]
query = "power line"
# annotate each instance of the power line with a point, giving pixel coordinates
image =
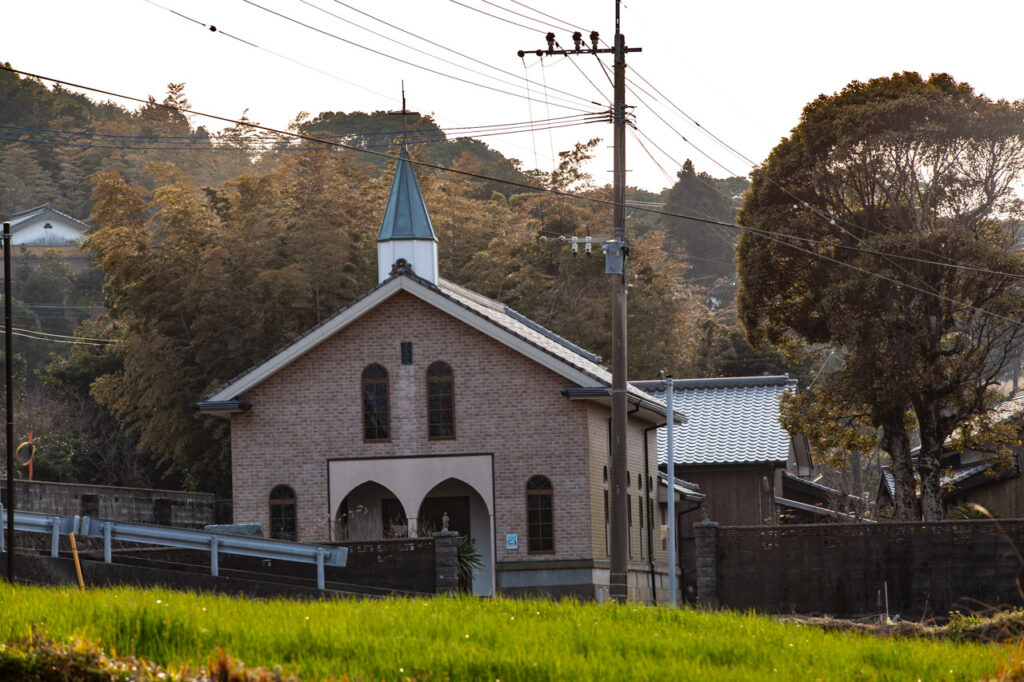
(392, 57)
(269, 51)
(303, 64)
(417, 50)
(267, 145)
(518, 14)
(495, 16)
(512, 183)
(445, 47)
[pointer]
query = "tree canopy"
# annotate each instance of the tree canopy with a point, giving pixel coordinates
(888, 218)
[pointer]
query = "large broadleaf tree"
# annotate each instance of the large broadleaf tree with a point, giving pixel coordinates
(884, 225)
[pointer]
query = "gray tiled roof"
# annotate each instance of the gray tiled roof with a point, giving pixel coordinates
(542, 338)
(731, 420)
(22, 219)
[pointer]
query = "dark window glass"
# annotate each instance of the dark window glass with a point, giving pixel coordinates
(282, 514)
(375, 403)
(540, 518)
(440, 401)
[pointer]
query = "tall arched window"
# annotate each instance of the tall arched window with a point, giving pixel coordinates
(282, 514)
(540, 517)
(375, 403)
(440, 401)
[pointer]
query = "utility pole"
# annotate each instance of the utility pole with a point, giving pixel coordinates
(616, 252)
(9, 384)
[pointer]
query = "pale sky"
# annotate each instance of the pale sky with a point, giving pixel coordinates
(743, 69)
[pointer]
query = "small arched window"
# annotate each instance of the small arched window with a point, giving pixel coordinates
(375, 403)
(282, 513)
(440, 402)
(540, 517)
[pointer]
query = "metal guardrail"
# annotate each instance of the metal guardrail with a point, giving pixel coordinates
(32, 522)
(214, 543)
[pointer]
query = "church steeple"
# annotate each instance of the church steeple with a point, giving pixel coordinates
(406, 231)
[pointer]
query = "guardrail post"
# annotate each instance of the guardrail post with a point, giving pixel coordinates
(106, 542)
(319, 568)
(214, 559)
(55, 536)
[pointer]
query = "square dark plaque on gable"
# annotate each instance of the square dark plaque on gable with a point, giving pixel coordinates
(406, 352)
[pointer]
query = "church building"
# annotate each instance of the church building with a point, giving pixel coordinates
(422, 399)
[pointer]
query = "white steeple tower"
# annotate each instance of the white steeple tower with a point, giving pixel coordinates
(406, 231)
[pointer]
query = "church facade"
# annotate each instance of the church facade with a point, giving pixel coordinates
(423, 400)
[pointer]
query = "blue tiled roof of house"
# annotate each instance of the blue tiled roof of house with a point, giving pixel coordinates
(732, 420)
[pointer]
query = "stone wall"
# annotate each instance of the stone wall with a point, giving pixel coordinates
(132, 505)
(914, 570)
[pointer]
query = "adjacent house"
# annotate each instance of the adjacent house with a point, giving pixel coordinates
(37, 230)
(734, 448)
(423, 403)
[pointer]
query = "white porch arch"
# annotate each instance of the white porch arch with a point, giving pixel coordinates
(411, 480)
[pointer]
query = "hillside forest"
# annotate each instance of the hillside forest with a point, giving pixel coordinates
(212, 249)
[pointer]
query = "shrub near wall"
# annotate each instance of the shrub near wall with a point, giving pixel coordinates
(925, 569)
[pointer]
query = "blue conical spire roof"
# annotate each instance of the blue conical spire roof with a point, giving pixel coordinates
(406, 216)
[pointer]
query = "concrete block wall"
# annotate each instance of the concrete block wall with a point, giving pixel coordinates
(134, 505)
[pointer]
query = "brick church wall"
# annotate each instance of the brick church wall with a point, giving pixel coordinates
(505, 404)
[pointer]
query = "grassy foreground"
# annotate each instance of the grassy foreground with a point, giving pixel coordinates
(470, 639)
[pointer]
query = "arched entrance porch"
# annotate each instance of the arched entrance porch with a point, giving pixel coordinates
(414, 480)
(369, 512)
(468, 516)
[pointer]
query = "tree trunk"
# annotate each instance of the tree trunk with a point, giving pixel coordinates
(897, 444)
(929, 463)
(931, 491)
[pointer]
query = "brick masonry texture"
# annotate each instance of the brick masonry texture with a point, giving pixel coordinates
(505, 404)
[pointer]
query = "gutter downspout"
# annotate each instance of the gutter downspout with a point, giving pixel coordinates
(650, 522)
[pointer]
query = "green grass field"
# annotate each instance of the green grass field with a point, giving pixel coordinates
(470, 639)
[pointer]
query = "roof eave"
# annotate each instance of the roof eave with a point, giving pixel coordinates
(603, 395)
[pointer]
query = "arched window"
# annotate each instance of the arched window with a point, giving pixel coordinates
(375, 403)
(282, 513)
(440, 402)
(540, 517)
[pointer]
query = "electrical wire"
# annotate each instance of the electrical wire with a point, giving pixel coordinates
(592, 199)
(417, 50)
(393, 57)
(445, 47)
(214, 29)
(62, 336)
(495, 16)
(48, 340)
(307, 66)
(268, 145)
(518, 14)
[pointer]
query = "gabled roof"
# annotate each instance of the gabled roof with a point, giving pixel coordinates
(406, 215)
(487, 316)
(23, 219)
(732, 420)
